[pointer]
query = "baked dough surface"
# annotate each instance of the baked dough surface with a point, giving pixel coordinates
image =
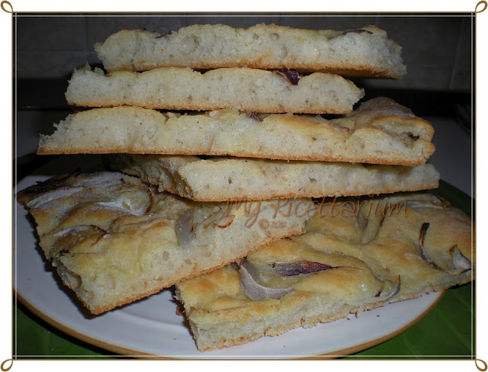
(221, 178)
(380, 131)
(244, 89)
(113, 239)
(370, 259)
(365, 51)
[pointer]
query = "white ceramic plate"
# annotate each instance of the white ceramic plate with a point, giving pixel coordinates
(151, 326)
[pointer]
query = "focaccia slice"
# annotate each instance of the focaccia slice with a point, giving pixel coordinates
(380, 132)
(222, 179)
(113, 239)
(357, 254)
(364, 51)
(245, 89)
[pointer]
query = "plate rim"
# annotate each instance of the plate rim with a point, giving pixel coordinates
(144, 355)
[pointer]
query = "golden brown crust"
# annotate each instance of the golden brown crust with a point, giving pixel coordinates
(120, 150)
(193, 107)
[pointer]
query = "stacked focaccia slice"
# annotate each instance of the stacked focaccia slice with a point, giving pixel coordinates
(114, 240)
(344, 263)
(178, 88)
(364, 51)
(380, 131)
(129, 238)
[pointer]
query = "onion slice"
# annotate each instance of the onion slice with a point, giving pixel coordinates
(371, 228)
(291, 75)
(389, 290)
(420, 246)
(100, 179)
(253, 289)
(185, 229)
(42, 200)
(396, 289)
(300, 267)
(254, 115)
(435, 202)
(460, 262)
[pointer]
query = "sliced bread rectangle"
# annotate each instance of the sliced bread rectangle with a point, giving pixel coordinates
(244, 89)
(352, 259)
(379, 132)
(114, 240)
(221, 179)
(364, 51)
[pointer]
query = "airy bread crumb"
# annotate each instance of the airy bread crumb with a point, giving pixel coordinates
(365, 51)
(242, 89)
(379, 132)
(221, 179)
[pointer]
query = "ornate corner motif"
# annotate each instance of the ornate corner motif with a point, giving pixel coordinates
(480, 6)
(8, 363)
(480, 363)
(8, 8)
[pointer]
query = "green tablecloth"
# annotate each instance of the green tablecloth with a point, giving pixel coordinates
(446, 332)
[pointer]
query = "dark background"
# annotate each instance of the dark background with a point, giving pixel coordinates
(436, 49)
